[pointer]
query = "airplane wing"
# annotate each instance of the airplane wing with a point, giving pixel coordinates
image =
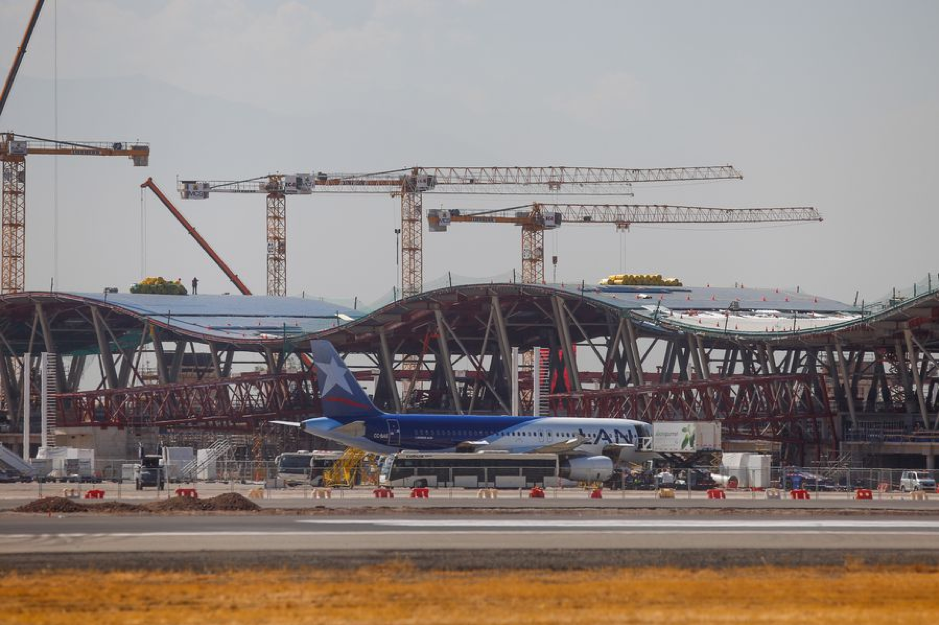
(294, 424)
(472, 446)
(560, 447)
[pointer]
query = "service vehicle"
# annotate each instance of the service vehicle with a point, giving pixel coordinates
(150, 473)
(916, 480)
(305, 467)
(483, 470)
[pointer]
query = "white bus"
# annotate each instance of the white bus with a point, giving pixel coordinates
(470, 470)
(305, 467)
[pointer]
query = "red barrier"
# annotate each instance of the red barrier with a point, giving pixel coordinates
(187, 492)
(716, 493)
(383, 493)
(420, 493)
(596, 493)
(536, 493)
(799, 493)
(863, 493)
(95, 493)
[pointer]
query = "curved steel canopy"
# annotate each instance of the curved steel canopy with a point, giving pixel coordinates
(252, 323)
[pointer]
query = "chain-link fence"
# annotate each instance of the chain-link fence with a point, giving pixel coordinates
(127, 476)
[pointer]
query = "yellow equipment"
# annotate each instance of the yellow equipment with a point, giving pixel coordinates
(348, 470)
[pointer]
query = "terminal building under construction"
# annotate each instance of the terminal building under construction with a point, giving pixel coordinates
(808, 379)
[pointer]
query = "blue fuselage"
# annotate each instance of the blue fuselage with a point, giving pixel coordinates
(391, 433)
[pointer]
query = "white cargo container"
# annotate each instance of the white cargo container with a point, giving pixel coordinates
(750, 470)
(65, 462)
(128, 472)
(685, 436)
(759, 473)
(174, 459)
(205, 465)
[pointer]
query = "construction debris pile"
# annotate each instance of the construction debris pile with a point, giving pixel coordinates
(226, 502)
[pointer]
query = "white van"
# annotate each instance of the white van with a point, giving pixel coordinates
(917, 480)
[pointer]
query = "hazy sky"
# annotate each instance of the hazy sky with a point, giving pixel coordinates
(826, 104)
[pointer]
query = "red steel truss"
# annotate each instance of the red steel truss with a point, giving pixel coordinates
(235, 403)
(788, 408)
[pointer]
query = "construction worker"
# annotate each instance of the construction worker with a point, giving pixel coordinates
(195, 285)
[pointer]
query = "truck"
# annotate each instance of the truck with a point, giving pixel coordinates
(150, 472)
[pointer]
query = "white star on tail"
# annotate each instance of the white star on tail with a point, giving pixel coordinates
(335, 376)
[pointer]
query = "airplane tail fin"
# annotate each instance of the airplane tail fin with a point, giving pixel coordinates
(340, 393)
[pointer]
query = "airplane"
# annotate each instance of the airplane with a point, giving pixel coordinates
(588, 447)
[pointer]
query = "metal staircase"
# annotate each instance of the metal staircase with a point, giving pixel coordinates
(14, 462)
(541, 381)
(49, 388)
(219, 449)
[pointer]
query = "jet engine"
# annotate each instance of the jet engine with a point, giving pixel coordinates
(592, 469)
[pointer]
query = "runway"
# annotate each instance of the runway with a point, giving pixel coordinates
(227, 533)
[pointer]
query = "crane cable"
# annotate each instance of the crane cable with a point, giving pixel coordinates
(55, 132)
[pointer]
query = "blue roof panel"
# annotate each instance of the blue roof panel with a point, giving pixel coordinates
(233, 317)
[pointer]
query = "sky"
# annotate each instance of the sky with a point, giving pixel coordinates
(832, 105)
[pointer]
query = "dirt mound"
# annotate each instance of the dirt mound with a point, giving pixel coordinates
(114, 506)
(52, 504)
(230, 502)
(176, 504)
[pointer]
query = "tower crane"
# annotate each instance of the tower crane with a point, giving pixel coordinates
(411, 183)
(277, 187)
(13, 151)
(535, 218)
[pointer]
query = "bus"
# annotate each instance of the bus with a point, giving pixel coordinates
(492, 469)
(304, 467)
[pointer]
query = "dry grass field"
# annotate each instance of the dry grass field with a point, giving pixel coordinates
(399, 593)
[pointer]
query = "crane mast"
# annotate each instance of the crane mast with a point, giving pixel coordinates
(411, 183)
(535, 218)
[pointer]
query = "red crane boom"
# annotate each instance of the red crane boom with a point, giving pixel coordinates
(149, 184)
